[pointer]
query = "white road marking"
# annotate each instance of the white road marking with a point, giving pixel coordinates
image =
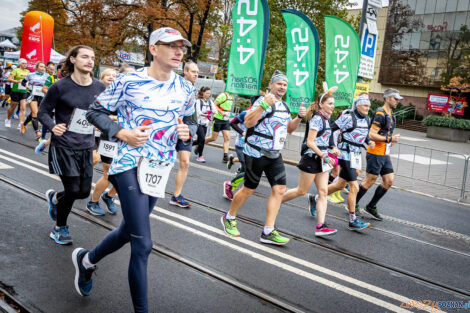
(418, 159)
(4, 166)
(412, 138)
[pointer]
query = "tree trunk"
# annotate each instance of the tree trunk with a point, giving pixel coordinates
(197, 48)
(148, 55)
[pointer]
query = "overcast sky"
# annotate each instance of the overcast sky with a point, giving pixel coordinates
(11, 11)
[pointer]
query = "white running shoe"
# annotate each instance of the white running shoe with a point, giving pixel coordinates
(7, 123)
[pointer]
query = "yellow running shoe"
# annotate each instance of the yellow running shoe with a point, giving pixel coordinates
(332, 198)
(338, 195)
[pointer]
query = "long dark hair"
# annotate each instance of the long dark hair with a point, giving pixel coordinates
(68, 67)
(200, 93)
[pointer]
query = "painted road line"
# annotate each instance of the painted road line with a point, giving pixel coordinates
(283, 266)
(4, 166)
(24, 159)
(412, 138)
(288, 257)
(418, 159)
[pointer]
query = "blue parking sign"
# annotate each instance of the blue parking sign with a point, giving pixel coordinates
(368, 44)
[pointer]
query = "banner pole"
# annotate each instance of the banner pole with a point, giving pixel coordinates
(361, 28)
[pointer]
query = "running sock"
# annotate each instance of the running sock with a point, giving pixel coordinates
(28, 119)
(331, 179)
(86, 262)
(34, 121)
(380, 191)
(320, 225)
(352, 217)
(106, 195)
(360, 194)
(229, 217)
(267, 230)
(225, 155)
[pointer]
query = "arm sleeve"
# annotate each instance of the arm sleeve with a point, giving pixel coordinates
(47, 107)
(234, 124)
(106, 104)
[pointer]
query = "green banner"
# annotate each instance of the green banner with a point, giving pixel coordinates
(342, 58)
(247, 53)
(302, 57)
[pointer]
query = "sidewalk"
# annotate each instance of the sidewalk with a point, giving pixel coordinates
(416, 156)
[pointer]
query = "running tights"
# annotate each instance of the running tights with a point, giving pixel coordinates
(75, 187)
(201, 137)
(135, 228)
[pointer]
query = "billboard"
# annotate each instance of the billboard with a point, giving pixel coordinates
(446, 104)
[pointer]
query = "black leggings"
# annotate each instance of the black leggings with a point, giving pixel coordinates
(75, 187)
(201, 137)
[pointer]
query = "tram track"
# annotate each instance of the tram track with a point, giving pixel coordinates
(241, 286)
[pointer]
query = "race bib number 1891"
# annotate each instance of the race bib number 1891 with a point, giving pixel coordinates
(79, 124)
(153, 176)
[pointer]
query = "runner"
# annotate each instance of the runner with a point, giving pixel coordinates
(268, 122)
(354, 126)
(238, 125)
(105, 149)
(35, 82)
(126, 68)
(378, 158)
(153, 127)
(43, 143)
(223, 103)
(50, 68)
(6, 74)
(19, 93)
(183, 148)
(70, 154)
(205, 109)
(316, 162)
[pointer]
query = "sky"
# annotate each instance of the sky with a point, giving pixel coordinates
(11, 11)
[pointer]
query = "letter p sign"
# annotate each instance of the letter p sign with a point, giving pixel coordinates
(368, 45)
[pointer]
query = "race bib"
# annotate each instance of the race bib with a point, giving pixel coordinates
(325, 167)
(37, 91)
(388, 147)
(20, 86)
(279, 139)
(356, 160)
(108, 148)
(79, 124)
(153, 176)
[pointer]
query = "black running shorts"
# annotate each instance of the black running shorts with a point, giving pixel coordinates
(69, 162)
(18, 96)
(379, 164)
(310, 164)
(220, 125)
(273, 168)
(347, 173)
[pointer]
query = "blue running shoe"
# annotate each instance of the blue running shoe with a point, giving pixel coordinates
(357, 224)
(109, 201)
(312, 205)
(179, 201)
(40, 147)
(94, 208)
(50, 194)
(61, 235)
(83, 281)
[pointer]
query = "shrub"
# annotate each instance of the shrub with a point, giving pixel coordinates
(442, 121)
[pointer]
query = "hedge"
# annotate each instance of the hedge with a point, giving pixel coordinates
(449, 122)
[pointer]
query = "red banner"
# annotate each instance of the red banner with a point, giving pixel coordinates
(36, 42)
(446, 104)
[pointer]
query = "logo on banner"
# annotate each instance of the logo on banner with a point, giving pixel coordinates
(31, 54)
(36, 28)
(125, 56)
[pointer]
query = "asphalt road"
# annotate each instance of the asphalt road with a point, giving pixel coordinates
(421, 251)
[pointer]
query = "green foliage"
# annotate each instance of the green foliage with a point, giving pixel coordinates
(243, 103)
(442, 121)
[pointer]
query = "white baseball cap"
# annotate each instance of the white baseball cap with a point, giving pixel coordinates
(20, 61)
(392, 92)
(167, 34)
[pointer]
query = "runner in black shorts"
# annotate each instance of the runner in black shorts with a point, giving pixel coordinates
(35, 81)
(378, 158)
(72, 141)
(316, 161)
(262, 151)
(354, 127)
(183, 148)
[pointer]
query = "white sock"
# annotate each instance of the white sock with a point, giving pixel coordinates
(229, 217)
(352, 217)
(267, 230)
(86, 262)
(316, 197)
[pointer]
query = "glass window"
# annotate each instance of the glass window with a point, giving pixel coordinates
(440, 6)
(463, 5)
(460, 19)
(428, 21)
(439, 20)
(451, 5)
(420, 5)
(412, 4)
(405, 41)
(430, 6)
(414, 41)
(450, 19)
(424, 42)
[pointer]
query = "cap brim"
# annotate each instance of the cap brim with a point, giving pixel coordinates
(399, 97)
(177, 38)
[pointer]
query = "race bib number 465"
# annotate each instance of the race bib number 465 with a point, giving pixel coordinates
(79, 124)
(153, 176)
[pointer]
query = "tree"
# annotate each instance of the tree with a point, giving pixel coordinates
(458, 56)
(222, 34)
